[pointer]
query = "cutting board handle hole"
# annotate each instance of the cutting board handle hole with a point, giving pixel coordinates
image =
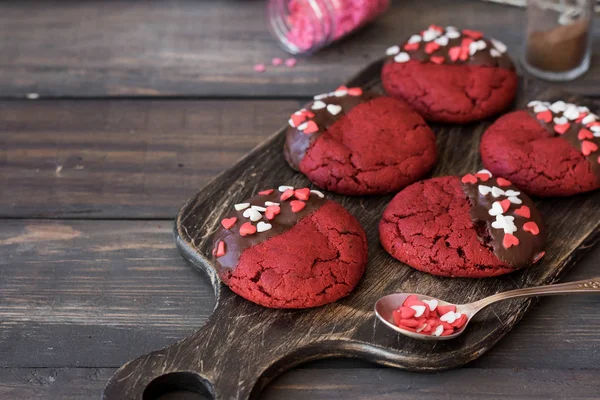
(179, 385)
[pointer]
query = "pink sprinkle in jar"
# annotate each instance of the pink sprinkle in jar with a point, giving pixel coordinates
(305, 26)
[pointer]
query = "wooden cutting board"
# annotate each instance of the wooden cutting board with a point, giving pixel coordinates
(243, 346)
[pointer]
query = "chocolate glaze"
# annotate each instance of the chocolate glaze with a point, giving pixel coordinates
(530, 246)
(297, 142)
(481, 57)
(235, 243)
(570, 136)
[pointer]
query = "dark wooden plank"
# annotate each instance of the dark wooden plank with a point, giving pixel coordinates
(264, 342)
(122, 158)
(327, 384)
(208, 48)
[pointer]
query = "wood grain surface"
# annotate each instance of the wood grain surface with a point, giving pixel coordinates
(208, 48)
(262, 343)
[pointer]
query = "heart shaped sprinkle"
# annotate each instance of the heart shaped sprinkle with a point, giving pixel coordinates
(452, 34)
(323, 95)
(558, 106)
(589, 119)
(468, 178)
(355, 91)
(438, 331)
(334, 109)
(411, 46)
(392, 51)
(582, 115)
(415, 39)
(501, 47)
(311, 127)
(320, 194)
(437, 59)
(442, 41)
(531, 227)
(431, 47)
(496, 209)
(509, 241)
(419, 310)
(402, 57)
(560, 120)
(524, 212)
(341, 91)
(464, 53)
(287, 194)
(484, 190)
(258, 208)
(503, 182)
(318, 105)
(431, 303)
(241, 206)
(446, 309)
(454, 53)
(495, 53)
(263, 226)
(253, 214)
(562, 128)
(266, 192)
(297, 119)
(449, 317)
(545, 116)
(585, 134)
(588, 147)
(472, 34)
(283, 188)
(571, 113)
(297, 205)
(505, 205)
(541, 108)
(228, 222)
(486, 172)
(272, 211)
(302, 194)
(220, 249)
(497, 192)
(247, 229)
(407, 312)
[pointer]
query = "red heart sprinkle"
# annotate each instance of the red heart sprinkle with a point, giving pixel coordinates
(531, 227)
(302, 194)
(266, 192)
(454, 53)
(298, 119)
(545, 116)
(483, 176)
(524, 211)
(410, 299)
(468, 178)
(311, 127)
(503, 182)
(539, 256)
(505, 205)
(407, 312)
(465, 42)
(464, 53)
(413, 323)
(308, 114)
(411, 46)
(581, 117)
(272, 211)
(460, 321)
(585, 134)
(297, 205)
(588, 147)
(355, 91)
(220, 249)
(431, 47)
(287, 194)
(447, 332)
(509, 241)
(437, 59)
(473, 34)
(446, 309)
(247, 229)
(561, 128)
(436, 28)
(228, 222)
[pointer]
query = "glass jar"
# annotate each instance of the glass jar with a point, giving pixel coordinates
(558, 42)
(305, 26)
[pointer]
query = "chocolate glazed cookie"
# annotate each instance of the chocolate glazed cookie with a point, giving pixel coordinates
(358, 143)
(476, 226)
(451, 75)
(549, 149)
(290, 248)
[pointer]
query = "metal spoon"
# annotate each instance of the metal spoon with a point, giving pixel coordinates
(385, 306)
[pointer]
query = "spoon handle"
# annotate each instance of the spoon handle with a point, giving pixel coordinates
(591, 285)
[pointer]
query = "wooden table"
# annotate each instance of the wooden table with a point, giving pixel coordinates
(140, 105)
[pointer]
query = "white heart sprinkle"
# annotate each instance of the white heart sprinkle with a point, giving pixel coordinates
(252, 214)
(589, 119)
(334, 109)
(284, 188)
(534, 103)
(259, 208)
(506, 223)
(241, 206)
(515, 200)
(263, 227)
(484, 190)
(321, 96)
(291, 123)
(392, 51)
(303, 126)
(481, 44)
(419, 310)
(270, 203)
(421, 328)
(499, 223)
(540, 108)
(340, 93)
(431, 303)
(415, 39)
(595, 128)
(496, 209)
(438, 331)
(473, 48)
(558, 106)
(560, 120)
(495, 53)
(449, 317)
(318, 105)
(497, 192)
(451, 28)
(442, 41)
(452, 34)
(320, 194)
(430, 34)
(485, 171)
(501, 47)
(511, 192)
(583, 109)
(402, 57)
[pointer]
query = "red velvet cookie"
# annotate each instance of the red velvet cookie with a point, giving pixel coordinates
(358, 143)
(290, 248)
(547, 150)
(449, 75)
(474, 227)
